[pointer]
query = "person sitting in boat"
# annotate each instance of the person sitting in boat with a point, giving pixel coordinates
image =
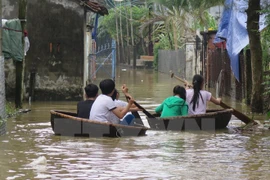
(129, 117)
(84, 107)
(197, 97)
(174, 105)
(104, 104)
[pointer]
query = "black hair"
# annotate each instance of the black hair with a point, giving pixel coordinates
(197, 84)
(91, 90)
(114, 94)
(181, 91)
(107, 86)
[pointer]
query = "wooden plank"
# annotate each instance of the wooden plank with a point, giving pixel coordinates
(147, 58)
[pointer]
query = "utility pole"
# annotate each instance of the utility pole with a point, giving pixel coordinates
(20, 64)
(2, 74)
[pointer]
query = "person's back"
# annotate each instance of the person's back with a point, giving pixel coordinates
(127, 119)
(104, 104)
(101, 109)
(174, 105)
(201, 104)
(197, 98)
(84, 107)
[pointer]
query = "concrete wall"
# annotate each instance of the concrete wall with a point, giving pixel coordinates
(9, 9)
(54, 61)
(57, 48)
(216, 11)
(193, 62)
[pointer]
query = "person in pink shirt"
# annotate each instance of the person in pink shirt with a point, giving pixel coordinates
(197, 98)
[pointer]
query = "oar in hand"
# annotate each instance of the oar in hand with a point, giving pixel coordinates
(148, 114)
(236, 113)
(178, 78)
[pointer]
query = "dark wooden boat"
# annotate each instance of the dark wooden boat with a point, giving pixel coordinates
(211, 120)
(68, 124)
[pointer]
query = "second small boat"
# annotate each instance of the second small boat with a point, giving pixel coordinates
(211, 120)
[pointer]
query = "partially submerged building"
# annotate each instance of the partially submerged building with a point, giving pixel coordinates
(60, 34)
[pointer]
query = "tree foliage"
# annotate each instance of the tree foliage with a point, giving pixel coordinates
(172, 21)
(178, 20)
(108, 23)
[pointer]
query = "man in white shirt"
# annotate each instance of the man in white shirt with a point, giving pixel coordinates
(104, 104)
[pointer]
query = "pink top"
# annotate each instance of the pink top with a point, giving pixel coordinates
(201, 108)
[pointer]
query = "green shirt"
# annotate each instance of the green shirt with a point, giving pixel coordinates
(172, 106)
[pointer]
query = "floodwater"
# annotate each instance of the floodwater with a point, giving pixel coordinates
(30, 150)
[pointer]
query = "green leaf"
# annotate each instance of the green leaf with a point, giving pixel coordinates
(268, 114)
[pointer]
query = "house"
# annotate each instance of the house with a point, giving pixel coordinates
(60, 43)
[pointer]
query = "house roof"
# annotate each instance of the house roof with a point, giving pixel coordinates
(94, 7)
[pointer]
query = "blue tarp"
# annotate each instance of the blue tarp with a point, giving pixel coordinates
(233, 28)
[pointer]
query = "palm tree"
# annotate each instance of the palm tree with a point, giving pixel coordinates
(170, 21)
(177, 20)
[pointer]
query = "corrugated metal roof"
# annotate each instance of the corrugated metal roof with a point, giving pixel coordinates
(94, 7)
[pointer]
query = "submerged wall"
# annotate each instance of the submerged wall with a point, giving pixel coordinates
(54, 62)
(56, 55)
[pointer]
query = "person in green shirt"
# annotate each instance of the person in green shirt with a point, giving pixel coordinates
(174, 105)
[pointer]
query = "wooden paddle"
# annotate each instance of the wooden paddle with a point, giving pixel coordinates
(178, 78)
(148, 114)
(236, 113)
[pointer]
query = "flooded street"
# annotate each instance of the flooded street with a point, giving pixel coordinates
(223, 154)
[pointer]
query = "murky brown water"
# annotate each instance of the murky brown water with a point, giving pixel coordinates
(159, 155)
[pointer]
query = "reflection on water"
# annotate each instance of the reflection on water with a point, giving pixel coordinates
(159, 155)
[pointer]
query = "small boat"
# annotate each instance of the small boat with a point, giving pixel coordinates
(211, 120)
(68, 124)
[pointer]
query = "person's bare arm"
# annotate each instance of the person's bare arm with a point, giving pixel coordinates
(187, 86)
(121, 112)
(215, 100)
(133, 109)
(133, 106)
(125, 90)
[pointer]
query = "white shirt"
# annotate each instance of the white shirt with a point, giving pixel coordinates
(119, 103)
(101, 109)
(201, 108)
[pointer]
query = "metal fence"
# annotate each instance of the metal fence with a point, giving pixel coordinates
(218, 70)
(174, 61)
(102, 59)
